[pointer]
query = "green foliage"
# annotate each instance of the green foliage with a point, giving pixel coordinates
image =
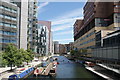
(74, 53)
(2, 62)
(49, 54)
(30, 54)
(19, 57)
(26, 56)
(10, 55)
(13, 56)
(78, 53)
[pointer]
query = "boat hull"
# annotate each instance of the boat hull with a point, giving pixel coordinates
(22, 75)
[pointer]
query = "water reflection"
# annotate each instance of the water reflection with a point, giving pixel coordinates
(69, 69)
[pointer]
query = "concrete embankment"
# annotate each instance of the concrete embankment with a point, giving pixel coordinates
(104, 73)
(97, 73)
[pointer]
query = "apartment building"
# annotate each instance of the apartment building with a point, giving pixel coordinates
(27, 23)
(51, 44)
(71, 46)
(23, 22)
(62, 48)
(43, 37)
(97, 16)
(56, 47)
(32, 24)
(99, 37)
(65, 48)
(109, 51)
(9, 24)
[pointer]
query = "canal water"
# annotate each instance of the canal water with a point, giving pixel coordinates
(70, 70)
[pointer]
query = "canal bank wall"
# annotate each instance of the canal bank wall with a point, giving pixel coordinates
(100, 70)
(97, 73)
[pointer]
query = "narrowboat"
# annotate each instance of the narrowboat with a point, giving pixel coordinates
(44, 64)
(89, 64)
(38, 71)
(22, 73)
(53, 71)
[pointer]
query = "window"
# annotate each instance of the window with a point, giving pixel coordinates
(13, 18)
(117, 28)
(1, 32)
(1, 7)
(7, 25)
(14, 26)
(1, 23)
(1, 15)
(100, 22)
(14, 11)
(6, 8)
(7, 17)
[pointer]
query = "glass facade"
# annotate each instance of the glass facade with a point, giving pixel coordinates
(113, 40)
(42, 40)
(8, 24)
(32, 24)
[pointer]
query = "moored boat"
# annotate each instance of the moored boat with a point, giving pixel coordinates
(55, 58)
(89, 64)
(53, 71)
(38, 71)
(21, 73)
(55, 63)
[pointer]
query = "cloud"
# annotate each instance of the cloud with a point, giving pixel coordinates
(65, 39)
(63, 33)
(72, 14)
(43, 5)
(69, 16)
(61, 27)
(63, 21)
(67, 20)
(40, 7)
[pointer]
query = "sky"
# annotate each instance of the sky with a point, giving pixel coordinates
(63, 16)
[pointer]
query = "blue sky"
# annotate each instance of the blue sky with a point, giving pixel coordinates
(63, 16)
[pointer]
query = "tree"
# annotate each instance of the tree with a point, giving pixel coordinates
(11, 56)
(74, 53)
(20, 55)
(31, 55)
(2, 62)
(49, 54)
(28, 55)
(83, 51)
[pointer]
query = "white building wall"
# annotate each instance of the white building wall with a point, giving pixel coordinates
(47, 41)
(51, 43)
(24, 23)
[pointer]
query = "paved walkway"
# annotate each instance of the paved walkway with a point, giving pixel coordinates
(5, 74)
(5, 69)
(102, 75)
(112, 69)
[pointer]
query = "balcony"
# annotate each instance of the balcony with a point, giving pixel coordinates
(9, 21)
(5, 28)
(34, 28)
(9, 13)
(42, 35)
(4, 35)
